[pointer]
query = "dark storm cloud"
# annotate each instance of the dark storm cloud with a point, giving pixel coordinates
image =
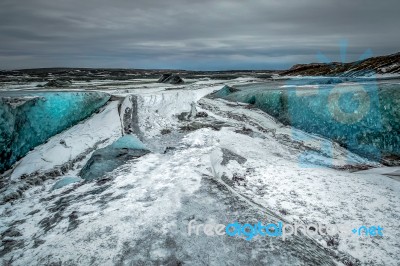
(191, 34)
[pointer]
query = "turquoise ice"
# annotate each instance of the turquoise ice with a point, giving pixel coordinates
(363, 117)
(109, 158)
(128, 142)
(66, 181)
(29, 119)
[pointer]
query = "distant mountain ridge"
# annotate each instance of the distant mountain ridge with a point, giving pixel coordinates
(388, 64)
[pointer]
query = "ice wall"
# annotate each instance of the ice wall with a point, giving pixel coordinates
(98, 131)
(365, 118)
(29, 120)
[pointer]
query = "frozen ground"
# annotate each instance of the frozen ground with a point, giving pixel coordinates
(236, 164)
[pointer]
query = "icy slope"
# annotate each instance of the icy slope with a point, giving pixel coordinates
(63, 152)
(66, 146)
(140, 213)
(157, 111)
(275, 175)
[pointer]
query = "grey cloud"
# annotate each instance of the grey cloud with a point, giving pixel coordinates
(191, 34)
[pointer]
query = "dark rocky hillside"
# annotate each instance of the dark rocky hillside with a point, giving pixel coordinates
(389, 64)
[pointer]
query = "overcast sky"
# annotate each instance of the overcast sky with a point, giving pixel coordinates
(200, 34)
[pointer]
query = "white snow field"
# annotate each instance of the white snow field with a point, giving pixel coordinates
(235, 164)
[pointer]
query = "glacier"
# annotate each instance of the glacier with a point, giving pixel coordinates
(30, 119)
(235, 162)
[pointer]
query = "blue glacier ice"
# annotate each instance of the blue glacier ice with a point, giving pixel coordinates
(364, 117)
(109, 158)
(66, 181)
(29, 119)
(128, 142)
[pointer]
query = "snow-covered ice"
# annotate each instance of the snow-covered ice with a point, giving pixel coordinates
(225, 162)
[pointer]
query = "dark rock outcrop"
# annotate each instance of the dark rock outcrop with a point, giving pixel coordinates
(170, 79)
(58, 83)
